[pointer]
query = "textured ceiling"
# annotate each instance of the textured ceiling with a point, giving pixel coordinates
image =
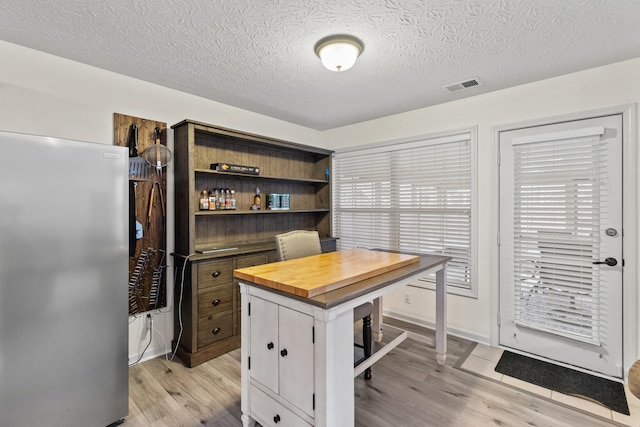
(258, 54)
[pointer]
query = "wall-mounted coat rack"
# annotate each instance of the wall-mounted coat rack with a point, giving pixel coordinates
(148, 157)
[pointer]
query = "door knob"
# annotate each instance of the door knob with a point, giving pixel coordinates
(609, 261)
(270, 346)
(284, 352)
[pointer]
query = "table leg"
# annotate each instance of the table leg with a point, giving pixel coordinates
(441, 316)
(376, 321)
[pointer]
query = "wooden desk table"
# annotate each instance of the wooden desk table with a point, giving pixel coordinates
(297, 331)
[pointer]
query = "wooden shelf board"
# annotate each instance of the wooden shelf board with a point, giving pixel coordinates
(261, 177)
(260, 212)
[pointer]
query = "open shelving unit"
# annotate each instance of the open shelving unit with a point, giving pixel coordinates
(214, 242)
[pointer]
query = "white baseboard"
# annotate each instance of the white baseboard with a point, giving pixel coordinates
(430, 325)
(151, 353)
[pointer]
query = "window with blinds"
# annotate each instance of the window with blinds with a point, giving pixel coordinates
(557, 194)
(414, 196)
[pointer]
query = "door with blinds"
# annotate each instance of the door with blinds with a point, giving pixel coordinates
(561, 242)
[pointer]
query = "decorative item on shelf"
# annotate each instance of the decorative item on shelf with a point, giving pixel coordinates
(226, 167)
(256, 200)
(278, 202)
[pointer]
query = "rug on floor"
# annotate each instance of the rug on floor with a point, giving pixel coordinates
(564, 380)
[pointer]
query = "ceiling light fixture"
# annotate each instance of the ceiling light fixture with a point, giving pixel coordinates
(339, 52)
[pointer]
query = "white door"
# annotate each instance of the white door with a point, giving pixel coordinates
(561, 242)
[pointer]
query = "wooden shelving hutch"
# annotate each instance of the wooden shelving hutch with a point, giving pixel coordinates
(214, 243)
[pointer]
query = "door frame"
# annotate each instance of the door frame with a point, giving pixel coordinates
(629, 221)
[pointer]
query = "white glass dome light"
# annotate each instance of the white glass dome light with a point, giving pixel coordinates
(339, 53)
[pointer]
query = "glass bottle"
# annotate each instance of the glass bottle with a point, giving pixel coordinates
(256, 200)
(221, 199)
(204, 201)
(212, 201)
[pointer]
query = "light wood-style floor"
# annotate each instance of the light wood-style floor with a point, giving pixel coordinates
(407, 389)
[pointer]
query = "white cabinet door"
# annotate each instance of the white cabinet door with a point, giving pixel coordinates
(296, 358)
(264, 343)
(282, 352)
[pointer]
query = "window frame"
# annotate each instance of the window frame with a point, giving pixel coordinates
(423, 141)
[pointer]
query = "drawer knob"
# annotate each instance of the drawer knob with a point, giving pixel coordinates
(283, 352)
(216, 302)
(216, 274)
(270, 346)
(276, 419)
(216, 331)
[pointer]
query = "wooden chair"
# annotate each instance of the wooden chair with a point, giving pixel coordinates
(301, 243)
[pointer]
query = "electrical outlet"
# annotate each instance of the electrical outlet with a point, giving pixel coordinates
(407, 298)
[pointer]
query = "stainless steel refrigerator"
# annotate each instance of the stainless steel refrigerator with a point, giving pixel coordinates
(63, 282)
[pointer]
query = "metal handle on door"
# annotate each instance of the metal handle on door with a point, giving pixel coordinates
(609, 261)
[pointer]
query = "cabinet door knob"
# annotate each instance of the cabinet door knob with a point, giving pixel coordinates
(216, 331)
(216, 302)
(276, 419)
(283, 352)
(270, 346)
(216, 274)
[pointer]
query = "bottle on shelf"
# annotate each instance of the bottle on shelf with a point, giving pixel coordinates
(233, 200)
(222, 200)
(204, 200)
(256, 200)
(216, 193)
(227, 199)
(212, 201)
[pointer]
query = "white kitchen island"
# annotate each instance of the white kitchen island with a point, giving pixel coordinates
(297, 331)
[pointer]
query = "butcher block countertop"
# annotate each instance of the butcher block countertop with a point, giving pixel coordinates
(315, 275)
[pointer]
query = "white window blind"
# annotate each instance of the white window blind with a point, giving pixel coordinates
(557, 192)
(413, 196)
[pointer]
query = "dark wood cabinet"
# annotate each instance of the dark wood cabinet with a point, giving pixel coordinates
(215, 242)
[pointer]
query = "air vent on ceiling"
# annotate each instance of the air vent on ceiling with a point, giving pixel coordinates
(462, 85)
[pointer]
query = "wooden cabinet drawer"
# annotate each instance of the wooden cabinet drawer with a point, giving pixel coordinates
(214, 328)
(215, 301)
(248, 261)
(272, 256)
(214, 273)
(328, 246)
(251, 260)
(271, 413)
